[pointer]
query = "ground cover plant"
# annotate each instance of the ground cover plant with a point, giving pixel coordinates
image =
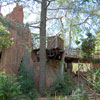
(63, 87)
(13, 87)
(9, 87)
(79, 93)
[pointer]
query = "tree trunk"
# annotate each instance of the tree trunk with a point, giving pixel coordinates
(42, 71)
(69, 67)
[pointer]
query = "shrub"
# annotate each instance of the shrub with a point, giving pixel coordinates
(5, 41)
(9, 87)
(94, 78)
(27, 82)
(79, 94)
(63, 87)
(44, 92)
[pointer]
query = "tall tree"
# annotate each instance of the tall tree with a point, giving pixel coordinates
(42, 72)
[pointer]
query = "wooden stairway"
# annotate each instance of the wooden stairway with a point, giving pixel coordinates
(91, 93)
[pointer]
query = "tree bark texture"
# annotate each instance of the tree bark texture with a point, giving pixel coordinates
(42, 70)
(69, 67)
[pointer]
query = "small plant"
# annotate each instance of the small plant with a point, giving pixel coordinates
(44, 92)
(9, 87)
(63, 87)
(59, 98)
(79, 94)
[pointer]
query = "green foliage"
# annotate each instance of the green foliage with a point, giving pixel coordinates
(5, 41)
(79, 94)
(60, 98)
(88, 46)
(94, 61)
(77, 42)
(27, 82)
(63, 87)
(9, 87)
(98, 41)
(94, 77)
(44, 92)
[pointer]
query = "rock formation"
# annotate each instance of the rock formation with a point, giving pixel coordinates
(11, 57)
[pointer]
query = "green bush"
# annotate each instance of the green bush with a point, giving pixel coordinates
(79, 94)
(94, 77)
(63, 87)
(96, 61)
(44, 92)
(5, 41)
(27, 82)
(9, 87)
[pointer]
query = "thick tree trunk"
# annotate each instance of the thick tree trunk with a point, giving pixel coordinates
(42, 71)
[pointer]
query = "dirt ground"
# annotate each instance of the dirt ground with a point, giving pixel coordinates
(65, 98)
(52, 98)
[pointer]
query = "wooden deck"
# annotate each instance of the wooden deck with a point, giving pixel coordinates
(75, 53)
(55, 49)
(72, 52)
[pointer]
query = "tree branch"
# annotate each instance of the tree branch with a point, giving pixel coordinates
(34, 26)
(34, 23)
(82, 22)
(48, 3)
(37, 1)
(59, 8)
(55, 18)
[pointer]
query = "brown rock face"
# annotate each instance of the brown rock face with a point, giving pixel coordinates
(17, 14)
(53, 72)
(11, 57)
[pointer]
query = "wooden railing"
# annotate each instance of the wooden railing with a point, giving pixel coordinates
(75, 53)
(72, 52)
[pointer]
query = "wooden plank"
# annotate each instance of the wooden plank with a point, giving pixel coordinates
(55, 42)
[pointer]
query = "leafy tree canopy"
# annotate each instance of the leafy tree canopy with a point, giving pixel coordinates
(88, 46)
(5, 40)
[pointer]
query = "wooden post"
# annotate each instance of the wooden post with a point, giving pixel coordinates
(62, 70)
(69, 66)
(62, 66)
(95, 96)
(78, 72)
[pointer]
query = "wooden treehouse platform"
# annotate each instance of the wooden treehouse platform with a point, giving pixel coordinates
(55, 50)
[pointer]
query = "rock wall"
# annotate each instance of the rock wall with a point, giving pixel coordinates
(53, 72)
(11, 57)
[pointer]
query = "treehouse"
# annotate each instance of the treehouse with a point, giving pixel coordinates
(54, 49)
(54, 52)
